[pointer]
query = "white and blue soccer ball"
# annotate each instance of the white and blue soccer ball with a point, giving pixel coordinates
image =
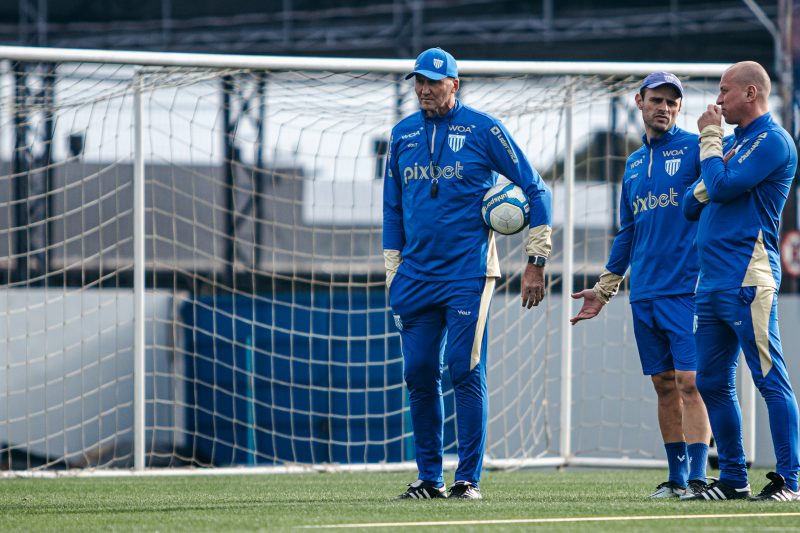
(505, 208)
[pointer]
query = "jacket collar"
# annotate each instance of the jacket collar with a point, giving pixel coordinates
(664, 139)
(758, 124)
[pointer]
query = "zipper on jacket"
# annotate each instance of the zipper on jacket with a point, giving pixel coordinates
(434, 181)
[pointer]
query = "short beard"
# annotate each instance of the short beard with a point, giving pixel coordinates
(659, 128)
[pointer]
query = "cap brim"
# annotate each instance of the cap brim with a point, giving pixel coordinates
(659, 84)
(431, 75)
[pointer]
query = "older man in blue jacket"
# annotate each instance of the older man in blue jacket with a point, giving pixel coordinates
(441, 262)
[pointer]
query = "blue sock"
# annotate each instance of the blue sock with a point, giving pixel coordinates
(678, 461)
(698, 457)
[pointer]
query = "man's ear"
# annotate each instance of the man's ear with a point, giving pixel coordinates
(639, 101)
(751, 93)
(455, 85)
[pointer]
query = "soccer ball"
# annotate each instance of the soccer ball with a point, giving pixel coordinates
(505, 208)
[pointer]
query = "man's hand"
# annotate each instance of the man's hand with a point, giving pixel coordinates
(532, 286)
(712, 116)
(591, 306)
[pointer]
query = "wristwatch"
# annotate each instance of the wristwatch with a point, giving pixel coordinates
(538, 260)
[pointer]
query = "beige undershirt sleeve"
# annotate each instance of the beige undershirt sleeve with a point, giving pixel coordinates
(391, 260)
(539, 241)
(711, 142)
(607, 286)
(700, 192)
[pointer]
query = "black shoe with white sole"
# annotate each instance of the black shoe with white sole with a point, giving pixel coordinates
(694, 486)
(465, 490)
(719, 491)
(777, 490)
(423, 490)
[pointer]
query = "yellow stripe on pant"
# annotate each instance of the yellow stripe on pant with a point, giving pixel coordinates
(760, 310)
(480, 326)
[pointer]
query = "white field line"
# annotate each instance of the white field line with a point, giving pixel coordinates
(551, 520)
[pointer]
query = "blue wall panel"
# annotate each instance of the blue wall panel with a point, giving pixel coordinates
(315, 370)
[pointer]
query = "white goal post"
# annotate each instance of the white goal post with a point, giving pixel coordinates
(191, 271)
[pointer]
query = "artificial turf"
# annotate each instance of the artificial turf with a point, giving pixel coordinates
(286, 502)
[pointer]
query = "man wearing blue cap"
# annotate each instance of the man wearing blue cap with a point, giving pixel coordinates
(441, 262)
(658, 245)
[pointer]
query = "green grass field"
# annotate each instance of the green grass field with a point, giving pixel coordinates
(288, 502)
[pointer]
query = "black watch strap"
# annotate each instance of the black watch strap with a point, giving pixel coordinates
(538, 260)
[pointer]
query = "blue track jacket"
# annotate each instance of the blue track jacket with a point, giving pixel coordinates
(653, 238)
(444, 237)
(739, 205)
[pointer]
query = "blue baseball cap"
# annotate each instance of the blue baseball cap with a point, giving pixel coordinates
(657, 79)
(435, 64)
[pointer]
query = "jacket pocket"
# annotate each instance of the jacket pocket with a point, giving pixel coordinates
(747, 294)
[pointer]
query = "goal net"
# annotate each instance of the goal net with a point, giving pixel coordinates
(233, 312)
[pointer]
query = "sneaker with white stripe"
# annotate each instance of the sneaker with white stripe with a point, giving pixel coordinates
(423, 490)
(694, 486)
(719, 491)
(777, 490)
(465, 490)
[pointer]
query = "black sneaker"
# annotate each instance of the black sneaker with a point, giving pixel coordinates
(777, 490)
(465, 491)
(720, 491)
(423, 490)
(694, 486)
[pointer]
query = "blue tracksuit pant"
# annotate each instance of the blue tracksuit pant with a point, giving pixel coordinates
(445, 321)
(727, 321)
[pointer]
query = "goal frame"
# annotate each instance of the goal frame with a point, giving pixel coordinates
(145, 60)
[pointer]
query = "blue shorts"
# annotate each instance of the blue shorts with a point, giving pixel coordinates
(664, 333)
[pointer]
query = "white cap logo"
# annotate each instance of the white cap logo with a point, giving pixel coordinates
(437, 63)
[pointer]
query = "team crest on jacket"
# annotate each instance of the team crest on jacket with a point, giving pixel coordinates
(456, 142)
(672, 166)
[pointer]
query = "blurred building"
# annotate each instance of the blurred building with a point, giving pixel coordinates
(619, 30)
